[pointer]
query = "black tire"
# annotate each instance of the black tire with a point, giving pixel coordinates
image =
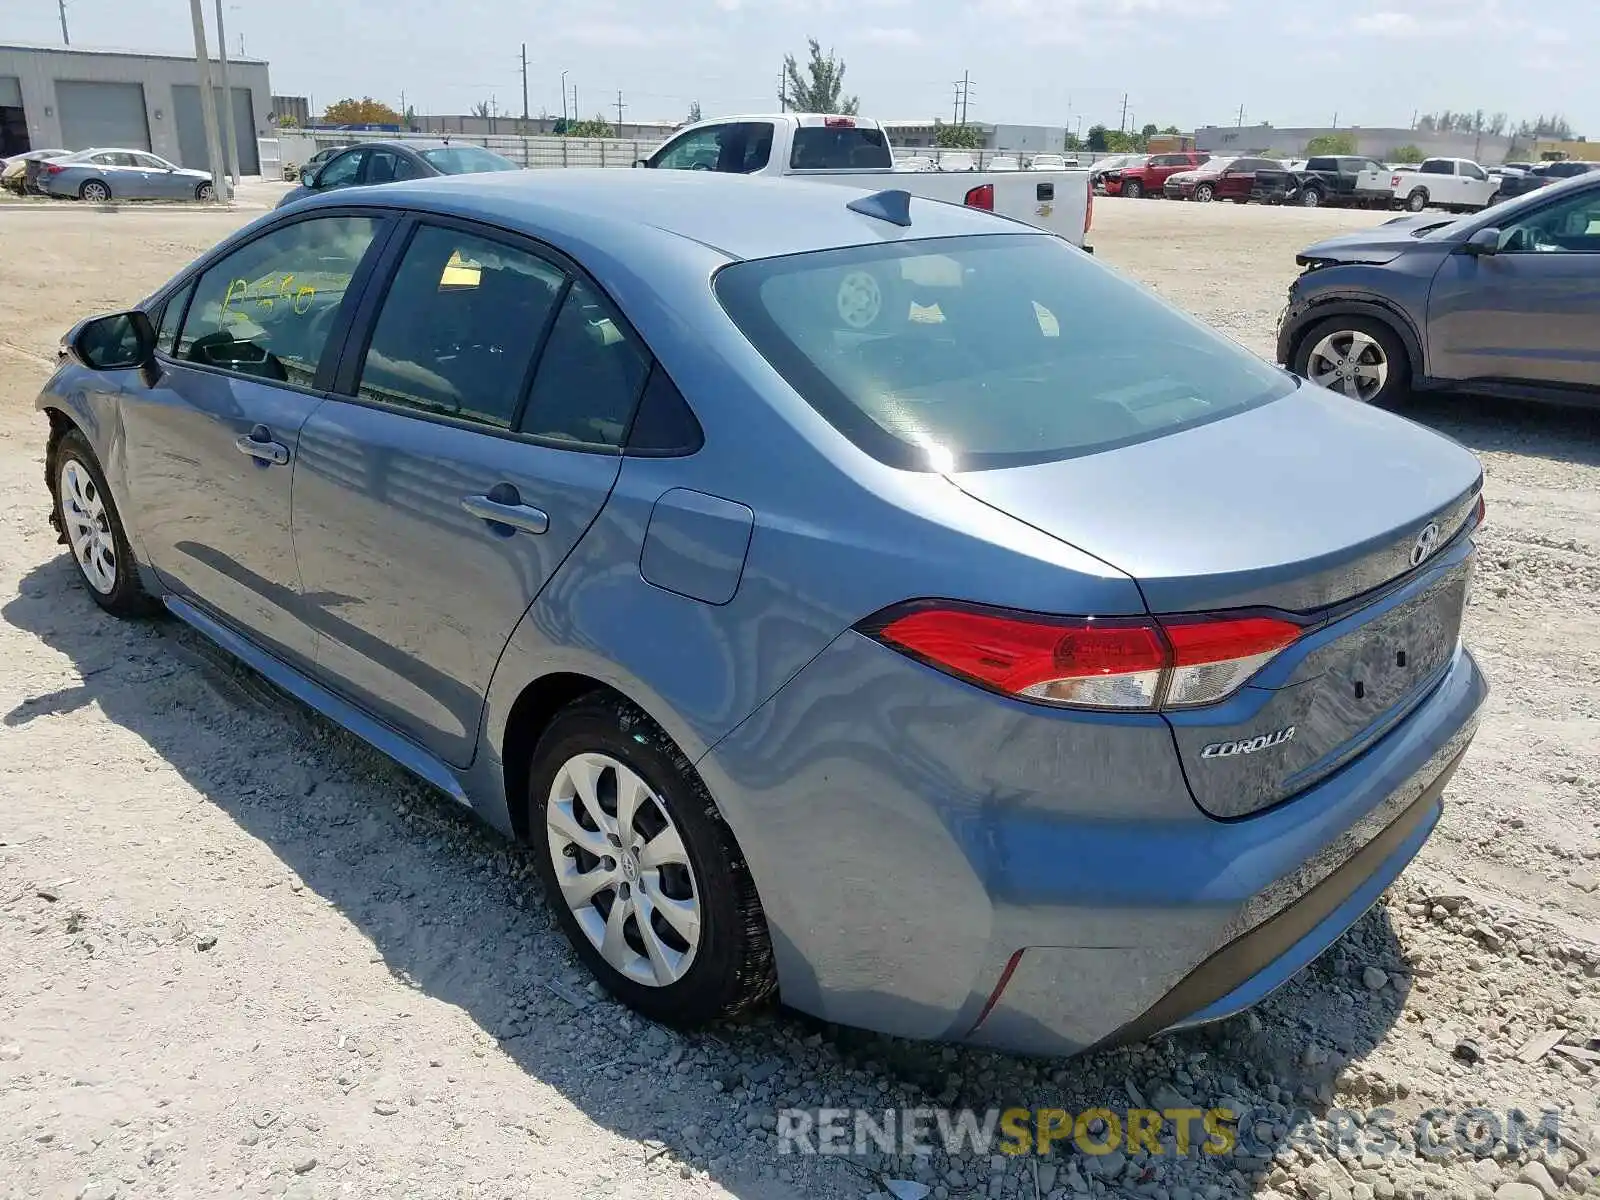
(1394, 350)
(126, 597)
(1310, 197)
(94, 191)
(1133, 189)
(1417, 200)
(204, 192)
(732, 969)
(1204, 193)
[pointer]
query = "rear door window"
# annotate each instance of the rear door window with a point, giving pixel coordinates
(980, 352)
(825, 148)
(1438, 166)
(589, 377)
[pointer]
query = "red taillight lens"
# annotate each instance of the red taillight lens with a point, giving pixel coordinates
(1088, 212)
(982, 197)
(839, 123)
(1481, 511)
(1115, 663)
(53, 169)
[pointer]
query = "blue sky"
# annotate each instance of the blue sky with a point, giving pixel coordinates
(1371, 62)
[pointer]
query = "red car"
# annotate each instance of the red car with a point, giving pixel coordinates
(1219, 179)
(1149, 179)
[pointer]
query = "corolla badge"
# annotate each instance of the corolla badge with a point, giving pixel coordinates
(1427, 542)
(1264, 741)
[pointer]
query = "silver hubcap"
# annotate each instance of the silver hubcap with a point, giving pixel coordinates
(83, 509)
(94, 191)
(622, 869)
(1203, 194)
(1350, 362)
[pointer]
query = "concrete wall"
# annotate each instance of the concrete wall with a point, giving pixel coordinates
(38, 68)
(1376, 143)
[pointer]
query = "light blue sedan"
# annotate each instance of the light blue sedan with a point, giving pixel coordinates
(102, 175)
(850, 597)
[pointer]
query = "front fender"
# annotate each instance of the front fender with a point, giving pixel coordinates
(1354, 302)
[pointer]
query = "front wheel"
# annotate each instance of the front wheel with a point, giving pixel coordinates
(1310, 198)
(645, 876)
(94, 192)
(1133, 189)
(1360, 357)
(90, 524)
(1204, 194)
(1417, 201)
(204, 192)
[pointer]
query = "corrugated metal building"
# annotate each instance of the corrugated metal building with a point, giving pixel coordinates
(71, 98)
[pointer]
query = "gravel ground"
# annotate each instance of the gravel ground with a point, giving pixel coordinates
(243, 954)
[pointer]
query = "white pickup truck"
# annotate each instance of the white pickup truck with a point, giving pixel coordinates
(855, 151)
(1453, 184)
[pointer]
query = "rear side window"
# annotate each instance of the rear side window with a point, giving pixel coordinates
(1323, 164)
(1438, 166)
(459, 327)
(821, 148)
(664, 426)
(266, 309)
(589, 378)
(982, 352)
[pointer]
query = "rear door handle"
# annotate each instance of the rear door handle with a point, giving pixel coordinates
(258, 444)
(509, 511)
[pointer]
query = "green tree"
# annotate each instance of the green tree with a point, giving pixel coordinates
(595, 127)
(1407, 154)
(1097, 138)
(1331, 143)
(1172, 129)
(956, 137)
(694, 112)
(365, 111)
(409, 117)
(824, 93)
(481, 109)
(1149, 131)
(1071, 142)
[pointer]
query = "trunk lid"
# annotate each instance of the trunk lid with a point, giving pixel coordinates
(1312, 506)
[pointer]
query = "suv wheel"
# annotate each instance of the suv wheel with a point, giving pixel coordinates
(1204, 194)
(1359, 357)
(645, 876)
(1133, 189)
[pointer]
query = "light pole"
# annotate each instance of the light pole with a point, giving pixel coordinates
(230, 132)
(563, 100)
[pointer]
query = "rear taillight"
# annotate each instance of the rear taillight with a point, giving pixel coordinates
(1086, 662)
(1088, 213)
(981, 196)
(1480, 511)
(838, 123)
(53, 169)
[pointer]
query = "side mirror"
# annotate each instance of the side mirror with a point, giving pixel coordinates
(118, 342)
(641, 162)
(1485, 241)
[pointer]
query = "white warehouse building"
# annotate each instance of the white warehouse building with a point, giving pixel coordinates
(57, 96)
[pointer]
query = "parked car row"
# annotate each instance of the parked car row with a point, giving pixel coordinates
(102, 174)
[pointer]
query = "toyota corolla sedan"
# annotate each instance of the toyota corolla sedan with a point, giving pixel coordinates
(847, 596)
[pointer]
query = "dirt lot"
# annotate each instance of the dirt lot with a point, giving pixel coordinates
(241, 954)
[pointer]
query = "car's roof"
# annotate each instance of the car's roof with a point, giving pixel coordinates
(740, 216)
(403, 144)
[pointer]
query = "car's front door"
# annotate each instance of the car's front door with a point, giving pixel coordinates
(211, 443)
(476, 442)
(342, 170)
(1532, 310)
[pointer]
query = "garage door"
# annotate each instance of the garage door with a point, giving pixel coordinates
(192, 128)
(101, 114)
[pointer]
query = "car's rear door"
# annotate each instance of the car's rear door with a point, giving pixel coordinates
(1530, 312)
(474, 439)
(244, 353)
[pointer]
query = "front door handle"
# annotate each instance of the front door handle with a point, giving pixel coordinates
(258, 444)
(503, 506)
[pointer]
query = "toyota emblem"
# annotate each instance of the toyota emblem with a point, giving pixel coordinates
(1427, 542)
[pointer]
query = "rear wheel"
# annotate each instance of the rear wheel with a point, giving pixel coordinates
(1310, 198)
(95, 192)
(1133, 188)
(1360, 357)
(1417, 200)
(645, 876)
(89, 522)
(1204, 194)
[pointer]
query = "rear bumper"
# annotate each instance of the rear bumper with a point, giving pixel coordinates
(937, 862)
(1380, 196)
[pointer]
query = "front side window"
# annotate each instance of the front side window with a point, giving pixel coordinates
(459, 327)
(981, 352)
(382, 164)
(151, 163)
(589, 378)
(171, 319)
(1473, 171)
(342, 171)
(703, 150)
(1570, 226)
(266, 310)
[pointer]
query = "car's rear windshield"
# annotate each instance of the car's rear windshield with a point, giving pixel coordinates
(822, 148)
(466, 160)
(971, 353)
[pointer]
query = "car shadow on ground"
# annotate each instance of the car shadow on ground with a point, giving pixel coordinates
(1556, 432)
(456, 913)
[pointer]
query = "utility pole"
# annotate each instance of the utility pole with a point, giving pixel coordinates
(966, 91)
(1241, 116)
(575, 115)
(524, 81)
(230, 130)
(62, 6)
(208, 105)
(783, 91)
(620, 107)
(563, 100)
(1122, 124)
